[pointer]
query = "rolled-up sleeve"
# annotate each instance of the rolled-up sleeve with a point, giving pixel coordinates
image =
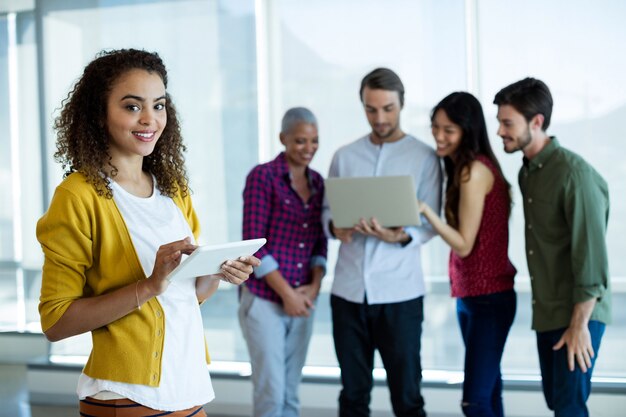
(64, 233)
(268, 264)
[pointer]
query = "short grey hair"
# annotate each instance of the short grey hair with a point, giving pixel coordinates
(296, 115)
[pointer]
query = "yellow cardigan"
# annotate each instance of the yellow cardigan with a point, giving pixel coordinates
(88, 252)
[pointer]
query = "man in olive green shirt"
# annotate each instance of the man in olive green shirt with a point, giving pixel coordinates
(566, 207)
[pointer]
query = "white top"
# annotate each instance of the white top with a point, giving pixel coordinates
(386, 272)
(185, 380)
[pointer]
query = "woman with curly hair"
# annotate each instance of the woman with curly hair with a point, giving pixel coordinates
(117, 225)
(477, 208)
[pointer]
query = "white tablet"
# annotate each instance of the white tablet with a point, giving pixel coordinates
(391, 200)
(207, 260)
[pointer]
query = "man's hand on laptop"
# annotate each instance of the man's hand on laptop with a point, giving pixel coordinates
(343, 234)
(386, 234)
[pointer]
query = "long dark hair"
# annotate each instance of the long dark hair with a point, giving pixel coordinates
(465, 111)
(82, 137)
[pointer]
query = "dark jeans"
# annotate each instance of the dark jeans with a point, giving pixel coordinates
(394, 329)
(485, 322)
(566, 392)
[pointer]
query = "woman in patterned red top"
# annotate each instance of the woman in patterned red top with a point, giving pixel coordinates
(283, 202)
(477, 208)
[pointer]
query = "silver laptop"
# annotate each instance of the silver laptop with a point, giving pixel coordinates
(391, 200)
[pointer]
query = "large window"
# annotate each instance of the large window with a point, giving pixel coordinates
(8, 287)
(20, 172)
(236, 66)
(321, 66)
(571, 46)
(209, 49)
(439, 47)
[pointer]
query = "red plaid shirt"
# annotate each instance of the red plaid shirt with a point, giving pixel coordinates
(292, 227)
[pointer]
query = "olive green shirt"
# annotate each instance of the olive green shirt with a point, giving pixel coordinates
(566, 206)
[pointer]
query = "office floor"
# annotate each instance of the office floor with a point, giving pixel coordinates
(14, 398)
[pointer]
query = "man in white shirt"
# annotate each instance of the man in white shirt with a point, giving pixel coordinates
(378, 289)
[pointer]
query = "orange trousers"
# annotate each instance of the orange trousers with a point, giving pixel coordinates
(90, 407)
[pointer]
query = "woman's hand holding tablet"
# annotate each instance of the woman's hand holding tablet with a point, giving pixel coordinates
(208, 260)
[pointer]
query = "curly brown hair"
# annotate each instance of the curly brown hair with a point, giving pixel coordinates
(82, 136)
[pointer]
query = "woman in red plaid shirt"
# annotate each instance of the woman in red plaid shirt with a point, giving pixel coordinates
(283, 203)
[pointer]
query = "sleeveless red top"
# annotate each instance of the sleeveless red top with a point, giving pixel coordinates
(487, 269)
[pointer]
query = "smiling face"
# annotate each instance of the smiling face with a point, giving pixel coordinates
(514, 129)
(301, 143)
(382, 108)
(447, 135)
(136, 114)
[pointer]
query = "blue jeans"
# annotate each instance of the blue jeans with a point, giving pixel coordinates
(395, 329)
(566, 391)
(485, 322)
(278, 345)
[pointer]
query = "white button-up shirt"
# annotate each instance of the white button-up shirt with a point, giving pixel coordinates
(386, 272)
